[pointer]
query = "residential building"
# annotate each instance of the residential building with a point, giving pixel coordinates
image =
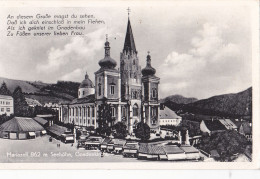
(6, 105)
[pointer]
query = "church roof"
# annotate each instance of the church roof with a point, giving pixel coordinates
(148, 70)
(87, 99)
(107, 62)
(129, 44)
(86, 83)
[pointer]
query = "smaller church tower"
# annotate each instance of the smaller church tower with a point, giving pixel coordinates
(86, 87)
(108, 83)
(150, 101)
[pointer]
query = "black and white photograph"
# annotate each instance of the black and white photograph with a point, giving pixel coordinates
(141, 83)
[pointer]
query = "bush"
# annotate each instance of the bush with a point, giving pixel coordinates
(120, 130)
(142, 131)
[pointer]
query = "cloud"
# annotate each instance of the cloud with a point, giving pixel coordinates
(76, 74)
(77, 49)
(209, 66)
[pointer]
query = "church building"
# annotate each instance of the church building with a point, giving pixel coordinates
(132, 92)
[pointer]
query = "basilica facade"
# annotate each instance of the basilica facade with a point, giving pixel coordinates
(131, 92)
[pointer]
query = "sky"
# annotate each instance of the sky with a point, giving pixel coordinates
(197, 50)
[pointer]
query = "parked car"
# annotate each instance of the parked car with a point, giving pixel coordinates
(67, 137)
(130, 149)
(93, 142)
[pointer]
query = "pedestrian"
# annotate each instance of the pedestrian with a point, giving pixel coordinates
(102, 154)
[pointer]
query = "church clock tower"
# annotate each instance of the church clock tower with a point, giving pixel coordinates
(130, 72)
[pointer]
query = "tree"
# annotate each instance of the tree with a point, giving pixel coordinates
(4, 90)
(21, 108)
(227, 144)
(120, 129)
(142, 131)
(105, 119)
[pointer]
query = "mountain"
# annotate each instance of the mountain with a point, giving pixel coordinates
(62, 91)
(178, 99)
(233, 105)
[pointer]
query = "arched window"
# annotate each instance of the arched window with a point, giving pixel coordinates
(99, 89)
(112, 89)
(135, 110)
(88, 112)
(83, 93)
(93, 112)
(113, 111)
(154, 93)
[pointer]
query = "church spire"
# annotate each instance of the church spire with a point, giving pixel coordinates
(129, 44)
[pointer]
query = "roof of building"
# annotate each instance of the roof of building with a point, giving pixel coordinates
(189, 149)
(129, 44)
(40, 120)
(21, 124)
(32, 102)
(6, 96)
(57, 130)
(106, 141)
(151, 149)
(148, 70)
(228, 123)
(214, 153)
(107, 62)
(86, 83)
(171, 149)
(167, 113)
(214, 125)
(87, 99)
(246, 128)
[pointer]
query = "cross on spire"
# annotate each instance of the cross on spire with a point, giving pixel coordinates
(148, 52)
(128, 10)
(106, 37)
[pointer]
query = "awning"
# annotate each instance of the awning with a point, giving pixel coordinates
(32, 134)
(44, 132)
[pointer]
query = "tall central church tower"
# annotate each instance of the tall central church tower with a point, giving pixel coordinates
(130, 72)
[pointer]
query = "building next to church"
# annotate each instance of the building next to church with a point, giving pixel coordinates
(6, 105)
(131, 91)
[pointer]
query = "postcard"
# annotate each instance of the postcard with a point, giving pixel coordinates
(129, 85)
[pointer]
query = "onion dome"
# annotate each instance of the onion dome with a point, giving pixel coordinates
(148, 70)
(86, 83)
(107, 62)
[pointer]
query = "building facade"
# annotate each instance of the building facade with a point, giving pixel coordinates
(131, 92)
(6, 105)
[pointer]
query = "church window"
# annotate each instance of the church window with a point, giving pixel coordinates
(112, 89)
(93, 122)
(113, 111)
(123, 112)
(83, 93)
(135, 110)
(79, 93)
(88, 121)
(79, 111)
(134, 62)
(93, 112)
(154, 93)
(88, 112)
(99, 89)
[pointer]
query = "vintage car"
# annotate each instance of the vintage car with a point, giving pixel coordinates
(93, 142)
(67, 137)
(116, 146)
(130, 149)
(104, 144)
(81, 141)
